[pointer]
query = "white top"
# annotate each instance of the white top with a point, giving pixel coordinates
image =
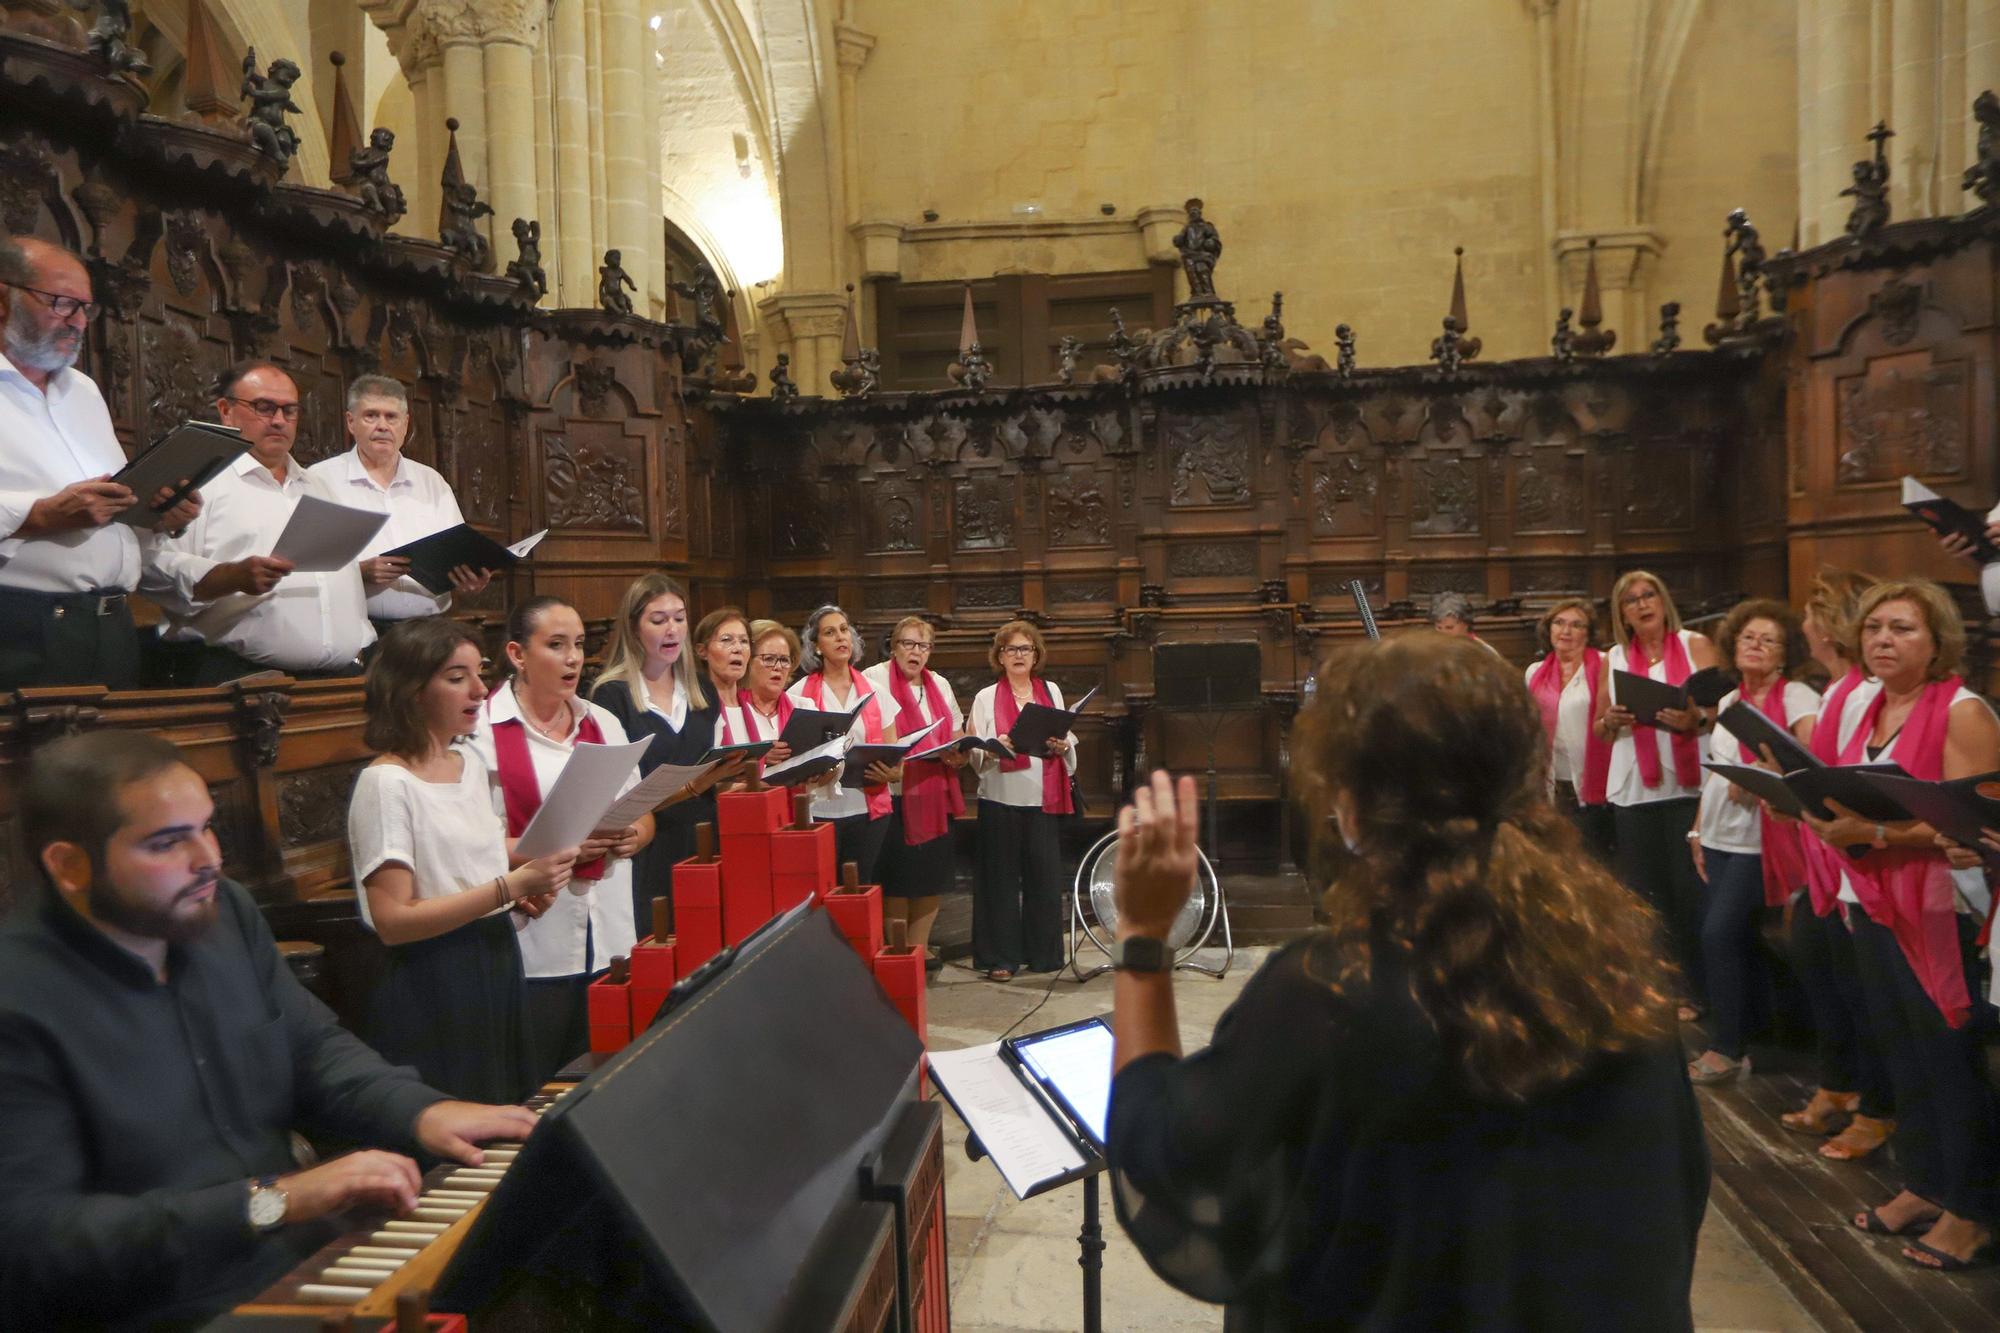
(590, 923)
(446, 833)
(838, 801)
(418, 502)
(1727, 824)
(47, 442)
(878, 680)
(1022, 786)
(729, 728)
(1989, 584)
(1625, 786)
(1969, 884)
(309, 622)
(1572, 724)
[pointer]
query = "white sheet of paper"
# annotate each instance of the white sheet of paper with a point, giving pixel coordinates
(528, 543)
(655, 787)
(574, 808)
(1016, 1130)
(322, 536)
(1915, 492)
(838, 745)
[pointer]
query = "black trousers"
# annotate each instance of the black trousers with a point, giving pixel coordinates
(219, 666)
(1594, 822)
(1822, 949)
(1738, 982)
(1947, 1119)
(67, 639)
(1017, 900)
(1655, 863)
(858, 838)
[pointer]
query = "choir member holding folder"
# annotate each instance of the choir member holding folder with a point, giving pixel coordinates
(650, 684)
(762, 710)
(375, 475)
(430, 855)
(917, 854)
(1017, 901)
(527, 730)
(859, 813)
(1655, 774)
(1853, 1078)
(1901, 899)
(1748, 860)
(722, 652)
(1566, 684)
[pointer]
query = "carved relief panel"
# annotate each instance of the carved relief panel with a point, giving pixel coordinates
(593, 476)
(1905, 414)
(1079, 512)
(1208, 458)
(1345, 491)
(1444, 496)
(1550, 493)
(895, 514)
(983, 512)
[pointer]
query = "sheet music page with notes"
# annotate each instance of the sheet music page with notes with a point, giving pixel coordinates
(1014, 1127)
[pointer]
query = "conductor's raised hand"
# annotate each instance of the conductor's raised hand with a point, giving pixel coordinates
(1156, 856)
(374, 1179)
(456, 1129)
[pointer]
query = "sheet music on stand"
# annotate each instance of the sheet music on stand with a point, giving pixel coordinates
(1032, 1144)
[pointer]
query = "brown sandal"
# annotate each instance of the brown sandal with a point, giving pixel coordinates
(1863, 1135)
(1818, 1115)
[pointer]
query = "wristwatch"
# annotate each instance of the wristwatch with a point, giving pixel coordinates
(1141, 953)
(268, 1204)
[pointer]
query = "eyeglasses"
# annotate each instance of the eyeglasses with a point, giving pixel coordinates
(775, 661)
(913, 645)
(1569, 624)
(62, 307)
(1645, 595)
(1017, 650)
(267, 409)
(1759, 641)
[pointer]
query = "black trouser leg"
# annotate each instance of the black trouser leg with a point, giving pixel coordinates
(1948, 1123)
(1823, 957)
(1042, 894)
(49, 641)
(996, 897)
(858, 838)
(1655, 863)
(1729, 944)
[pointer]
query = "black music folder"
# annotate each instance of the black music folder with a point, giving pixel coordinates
(433, 558)
(186, 458)
(748, 749)
(1961, 809)
(855, 765)
(1762, 783)
(1748, 724)
(1852, 786)
(964, 745)
(822, 758)
(1644, 697)
(1036, 724)
(1946, 516)
(1707, 686)
(810, 728)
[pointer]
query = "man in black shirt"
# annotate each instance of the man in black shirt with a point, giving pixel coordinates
(155, 1053)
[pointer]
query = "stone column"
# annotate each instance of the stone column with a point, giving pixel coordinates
(414, 42)
(631, 222)
(600, 205)
(1913, 108)
(1842, 101)
(465, 89)
(545, 156)
(654, 279)
(808, 326)
(575, 278)
(852, 47)
(1982, 71)
(510, 41)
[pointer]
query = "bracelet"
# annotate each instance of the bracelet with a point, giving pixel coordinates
(1881, 836)
(500, 887)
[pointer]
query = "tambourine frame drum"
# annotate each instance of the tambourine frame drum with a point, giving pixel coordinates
(1093, 917)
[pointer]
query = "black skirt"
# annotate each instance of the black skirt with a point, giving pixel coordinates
(923, 871)
(451, 1008)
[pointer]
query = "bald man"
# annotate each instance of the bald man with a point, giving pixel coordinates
(65, 566)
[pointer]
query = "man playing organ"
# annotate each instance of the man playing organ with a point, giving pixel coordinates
(155, 1055)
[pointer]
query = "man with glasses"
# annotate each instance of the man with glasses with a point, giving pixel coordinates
(66, 565)
(217, 581)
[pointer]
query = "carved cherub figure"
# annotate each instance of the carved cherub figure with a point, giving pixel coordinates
(463, 203)
(1670, 329)
(1982, 178)
(706, 292)
(526, 269)
(107, 35)
(1066, 350)
(368, 167)
(612, 280)
(782, 386)
(270, 98)
(1870, 193)
(1343, 338)
(1563, 343)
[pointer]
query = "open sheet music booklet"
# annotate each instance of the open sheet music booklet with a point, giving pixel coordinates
(808, 728)
(1034, 1146)
(322, 536)
(1962, 809)
(433, 558)
(858, 758)
(963, 745)
(1037, 723)
(806, 766)
(583, 793)
(1946, 516)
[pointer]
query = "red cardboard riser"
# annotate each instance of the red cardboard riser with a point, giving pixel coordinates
(746, 885)
(788, 891)
(646, 1001)
(752, 813)
(807, 854)
(610, 1016)
(697, 914)
(900, 973)
(653, 963)
(858, 914)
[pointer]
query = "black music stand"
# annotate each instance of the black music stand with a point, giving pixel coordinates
(1211, 681)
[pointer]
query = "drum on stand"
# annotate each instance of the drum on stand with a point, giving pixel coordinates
(1094, 916)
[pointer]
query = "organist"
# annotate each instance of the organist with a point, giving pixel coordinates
(155, 1054)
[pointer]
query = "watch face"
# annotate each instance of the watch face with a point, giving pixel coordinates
(267, 1206)
(1141, 953)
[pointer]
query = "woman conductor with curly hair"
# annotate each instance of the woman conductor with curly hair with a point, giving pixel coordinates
(1459, 1105)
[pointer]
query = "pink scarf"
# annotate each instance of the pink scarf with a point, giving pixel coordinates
(522, 790)
(931, 794)
(1908, 889)
(880, 803)
(1547, 687)
(1824, 863)
(1055, 774)
(1784, 855)
(1687, 755)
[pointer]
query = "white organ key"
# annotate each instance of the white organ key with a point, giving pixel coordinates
(370, 1262)
(359, 1277)
(425, 1229)
(450, 1196)
(440, 1214)
(314, 1291)
(399, 1253)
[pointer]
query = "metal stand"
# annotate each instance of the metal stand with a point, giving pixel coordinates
(1090, 1241)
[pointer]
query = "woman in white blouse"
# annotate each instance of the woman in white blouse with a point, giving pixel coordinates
(1566, 684)
(858, 810)
(1655, 777)
(1748, 861)
(917, 864)
(1017, 901)
(527, 730)
(430, 856)
(722, 656)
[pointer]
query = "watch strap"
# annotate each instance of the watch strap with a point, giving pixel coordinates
(1142, 953)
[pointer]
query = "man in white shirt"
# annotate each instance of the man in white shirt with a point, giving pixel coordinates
(375, 475)
(66, 565)
(217, 581)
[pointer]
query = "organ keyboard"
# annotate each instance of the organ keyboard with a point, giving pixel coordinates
(360, 1274)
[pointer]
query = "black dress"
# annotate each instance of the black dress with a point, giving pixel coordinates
(673, 828)
(1320, 1166)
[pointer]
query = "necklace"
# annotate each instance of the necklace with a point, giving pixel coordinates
(557, 729)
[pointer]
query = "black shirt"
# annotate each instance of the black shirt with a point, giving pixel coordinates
(673, 827)
(1320, 1166)
(136, 1113)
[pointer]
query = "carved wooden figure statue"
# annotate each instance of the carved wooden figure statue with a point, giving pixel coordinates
(1745, 247)
(465, 207)
(1343, 338)
(1200, 246)
(1562, 345)
(1870, 190)
(1066, 352)
(706, 293)
(612, 280)
(369, 169)
(107, 36)
(782, 387)
(1670, 329)
(526, 269)
(1982, 178)
(270, 98)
